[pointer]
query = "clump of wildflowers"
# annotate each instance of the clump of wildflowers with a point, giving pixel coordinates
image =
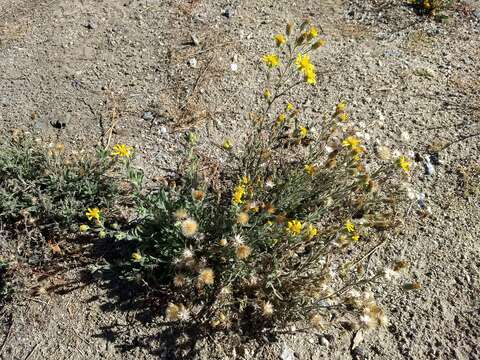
(285, 231)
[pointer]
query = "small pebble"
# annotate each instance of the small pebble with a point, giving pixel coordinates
(228, 13)
(192, 62)
(147, 115)
(233, 67)
(324, 341)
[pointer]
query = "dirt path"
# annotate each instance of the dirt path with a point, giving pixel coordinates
(411, 82)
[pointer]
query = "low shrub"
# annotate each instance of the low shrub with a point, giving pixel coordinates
(287, 230)
(44, 186)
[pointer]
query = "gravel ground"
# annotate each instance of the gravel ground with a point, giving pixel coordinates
(157, 68)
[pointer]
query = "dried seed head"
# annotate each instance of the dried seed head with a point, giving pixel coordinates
(242, 218)
(206, 277)
(223, 242)
(267, 309)
(383, 152)
(198, 195)
(189, 228)
(179, 280)
(317, 322)
(181, 214)
(243, 251)
(172, 312)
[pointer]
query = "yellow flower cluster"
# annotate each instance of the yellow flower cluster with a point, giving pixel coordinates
(353, 144)
(93, 214)
(306, 68)
(403, 164)
(294, 227)
(238, 193)
(271, 60)
(122, 150)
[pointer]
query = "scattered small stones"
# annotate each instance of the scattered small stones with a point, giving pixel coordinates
(90, 25)
(192, 62)
(195, 40)
(324, 341)
(227, 12)
(148, 115)
(287, 353)
(429, 168)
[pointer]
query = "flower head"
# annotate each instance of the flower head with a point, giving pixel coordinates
(318, 43)
(171, 312)
(122, 150)
(243, 251)
(310, 77)
(294, 227)
(266, 93)
(343, 116)
(179, 280)
(311, 231)
(242, 218)
(83, 228)
(403, 164)
(309, 169)
(303, 63)
(341, 106)
(198, 195)
(136, 256)
(267, 308)
(206, 277)
(181, 214)
(93, 213)
(312, 33)
(238, 193)
(189, 227)
(349, 226)
(351, 142)
(289, 107)
(271, 60)
(303, 131)
(279, 39)
(227, 144)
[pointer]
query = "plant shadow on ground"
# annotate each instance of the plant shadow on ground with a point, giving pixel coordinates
(172, 340)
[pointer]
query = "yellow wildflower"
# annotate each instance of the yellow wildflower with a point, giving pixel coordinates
(294, 227)
(245, 180)
(266, 93)
(122, 150)
(309, 169)
(289, 107)
(227, 144)
(311, 231)
(93, 214)
(312, 33)
(341, 106)
(349, 226)
(355, 237)
(404, 164)
(310, 77)
(303, 131)
(351, 142)
(303, 63)
(238, 193)
(343, 116)
(279, 39)
(271, 60)
(136, 256)
(281, 118)
(318, 43)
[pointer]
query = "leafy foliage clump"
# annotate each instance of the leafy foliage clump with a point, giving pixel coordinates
(45, 186)
(289, 234)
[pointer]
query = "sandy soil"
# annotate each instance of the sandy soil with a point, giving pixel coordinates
(412, 83)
